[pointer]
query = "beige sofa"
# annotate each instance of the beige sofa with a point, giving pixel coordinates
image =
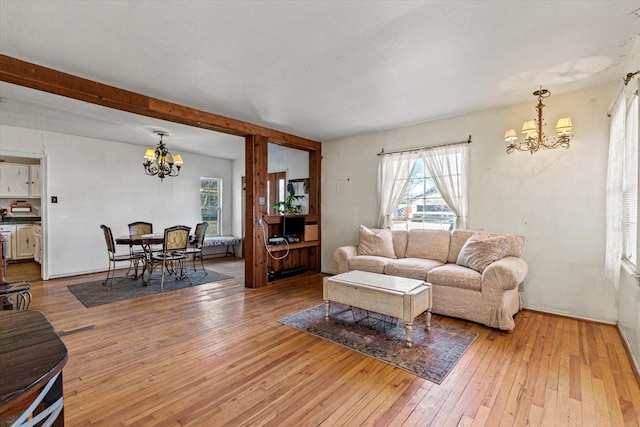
(475, 275)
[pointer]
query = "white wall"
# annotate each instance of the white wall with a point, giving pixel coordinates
(102, 182)
(554, 198)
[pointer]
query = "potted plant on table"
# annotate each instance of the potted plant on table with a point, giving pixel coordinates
(289, 206)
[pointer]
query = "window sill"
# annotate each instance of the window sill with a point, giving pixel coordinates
(631, 270)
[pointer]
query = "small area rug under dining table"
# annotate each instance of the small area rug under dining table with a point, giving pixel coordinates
(433, 355)
(94, 293)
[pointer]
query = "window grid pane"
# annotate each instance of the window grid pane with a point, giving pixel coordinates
(210, 192)
(422, 206)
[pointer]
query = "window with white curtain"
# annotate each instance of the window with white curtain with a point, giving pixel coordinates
(630, 184)
(421, 204)
(425, 188)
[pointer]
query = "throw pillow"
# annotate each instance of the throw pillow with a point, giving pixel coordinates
(377, 242)
(481, 250)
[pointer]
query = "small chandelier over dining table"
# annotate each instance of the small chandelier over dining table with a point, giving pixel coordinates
(161, 161)
(534, 138)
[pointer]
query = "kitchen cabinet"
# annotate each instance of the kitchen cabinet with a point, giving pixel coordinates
(7, 233)
(23, 241)
(37, 243)
(14, 180)
(17, 180)
(35, 181)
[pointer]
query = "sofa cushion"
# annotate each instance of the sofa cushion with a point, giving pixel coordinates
(460, 237)
(400, 239)
(428, 244)
(455, 275)
(516, 246)
(373, 264)
(481, 249)
(376, 242)
(412, 268)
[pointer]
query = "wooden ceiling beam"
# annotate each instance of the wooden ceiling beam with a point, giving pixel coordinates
(22, 73)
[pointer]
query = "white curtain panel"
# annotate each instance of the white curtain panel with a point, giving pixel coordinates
(613, 251)
(394, 171)
(630, 188)
(447, 166)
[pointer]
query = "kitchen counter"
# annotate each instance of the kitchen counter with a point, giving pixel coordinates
(21, 220)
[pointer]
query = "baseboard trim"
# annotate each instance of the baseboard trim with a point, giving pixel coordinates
(564, 314)
(627, 345)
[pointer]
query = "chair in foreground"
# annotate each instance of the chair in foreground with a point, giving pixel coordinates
(195, 245)
(131, 258)
(15, 295)
(173, 253)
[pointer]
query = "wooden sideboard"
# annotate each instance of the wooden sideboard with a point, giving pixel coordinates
(303, 254)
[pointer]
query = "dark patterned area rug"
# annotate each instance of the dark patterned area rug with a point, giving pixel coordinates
(433, 355)
(92, 294)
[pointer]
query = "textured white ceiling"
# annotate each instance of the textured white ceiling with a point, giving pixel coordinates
(318, 69)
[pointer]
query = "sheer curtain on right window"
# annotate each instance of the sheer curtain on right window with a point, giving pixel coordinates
(622, 188)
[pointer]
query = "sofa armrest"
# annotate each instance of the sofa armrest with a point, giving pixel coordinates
(342, 256)
(505, 274)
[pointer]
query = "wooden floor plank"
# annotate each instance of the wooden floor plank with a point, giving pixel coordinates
(215, 354)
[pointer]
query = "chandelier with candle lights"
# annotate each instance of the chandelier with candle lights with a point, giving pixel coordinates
(534, 138)
(161, 161)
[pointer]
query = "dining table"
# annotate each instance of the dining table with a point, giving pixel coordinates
(146, 241)
(32, 356)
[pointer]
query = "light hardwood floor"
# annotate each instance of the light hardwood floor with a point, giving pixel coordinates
(26, 270)
(196, 357)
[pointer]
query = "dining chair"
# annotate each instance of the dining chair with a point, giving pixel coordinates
(139, 227)
(195, 245)
(133, 259)
(173, 253)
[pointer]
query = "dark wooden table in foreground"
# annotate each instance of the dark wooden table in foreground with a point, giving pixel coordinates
(32, 356)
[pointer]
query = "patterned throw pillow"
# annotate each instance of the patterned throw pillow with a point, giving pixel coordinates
(481, 250)
(376, 242)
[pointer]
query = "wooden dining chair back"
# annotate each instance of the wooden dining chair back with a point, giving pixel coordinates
(173, 253)
(133, 259)
(196, 243)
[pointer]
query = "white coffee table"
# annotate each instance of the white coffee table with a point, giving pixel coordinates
(394, 296)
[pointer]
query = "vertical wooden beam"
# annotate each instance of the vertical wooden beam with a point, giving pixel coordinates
(315, 173)
(256, 168)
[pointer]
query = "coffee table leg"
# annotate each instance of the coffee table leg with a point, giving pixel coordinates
(427, 320)
(408, 328)
(326, 310)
